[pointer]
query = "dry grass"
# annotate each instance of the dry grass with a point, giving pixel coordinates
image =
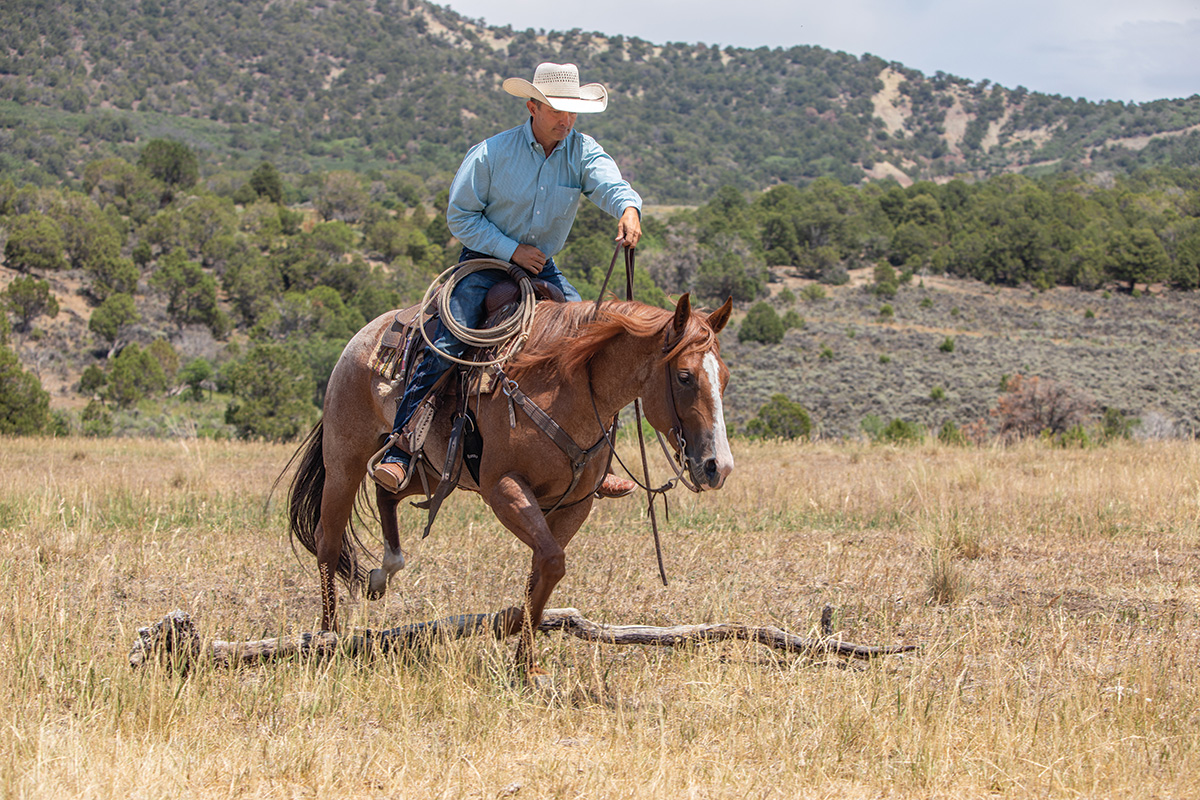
(1059, 657)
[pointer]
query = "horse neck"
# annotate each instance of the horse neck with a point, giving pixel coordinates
(621, 370)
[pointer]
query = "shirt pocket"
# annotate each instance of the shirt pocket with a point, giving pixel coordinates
(563, 202)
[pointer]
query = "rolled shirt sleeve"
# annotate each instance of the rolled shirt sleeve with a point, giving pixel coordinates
(602, 181)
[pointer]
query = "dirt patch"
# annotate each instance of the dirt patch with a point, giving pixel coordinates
(886, 169)
(890, 105)
(1139, 142)
(955, 124)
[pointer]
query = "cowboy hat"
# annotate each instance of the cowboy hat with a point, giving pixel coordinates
(557, 85)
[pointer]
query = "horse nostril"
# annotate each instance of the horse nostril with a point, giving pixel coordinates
(710, 471)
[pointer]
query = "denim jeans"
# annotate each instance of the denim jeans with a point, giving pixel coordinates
(466, 304)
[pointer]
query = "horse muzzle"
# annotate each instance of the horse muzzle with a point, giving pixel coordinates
(709, 473)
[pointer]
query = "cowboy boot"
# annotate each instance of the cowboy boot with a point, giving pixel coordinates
(615, 486)
(390, 475)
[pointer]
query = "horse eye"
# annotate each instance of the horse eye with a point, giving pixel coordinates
(684, 377)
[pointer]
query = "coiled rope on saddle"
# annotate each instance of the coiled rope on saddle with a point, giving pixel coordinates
(506, 337)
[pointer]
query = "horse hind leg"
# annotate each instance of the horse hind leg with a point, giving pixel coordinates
(393, 556)
(335, 555)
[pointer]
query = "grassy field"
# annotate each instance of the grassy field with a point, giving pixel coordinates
(1053, 594)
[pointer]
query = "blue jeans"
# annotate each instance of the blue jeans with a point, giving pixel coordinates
(466, 304)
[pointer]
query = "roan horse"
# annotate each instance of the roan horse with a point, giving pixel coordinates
(581, 364)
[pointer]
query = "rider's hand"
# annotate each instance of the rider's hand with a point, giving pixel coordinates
(629, 227)
(529, 258)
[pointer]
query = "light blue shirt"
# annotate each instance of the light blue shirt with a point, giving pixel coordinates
(508, 193)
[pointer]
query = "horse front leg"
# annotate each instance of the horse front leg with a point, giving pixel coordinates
(516, 506)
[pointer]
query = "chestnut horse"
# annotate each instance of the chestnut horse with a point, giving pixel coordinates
(581, 364)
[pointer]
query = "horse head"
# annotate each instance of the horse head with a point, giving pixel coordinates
(688, 409)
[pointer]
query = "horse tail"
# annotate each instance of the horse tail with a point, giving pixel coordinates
(304, 506)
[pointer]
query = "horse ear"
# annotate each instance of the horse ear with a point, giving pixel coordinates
(683, 310)
(718, 319)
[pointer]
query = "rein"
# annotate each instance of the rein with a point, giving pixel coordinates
(680, 443)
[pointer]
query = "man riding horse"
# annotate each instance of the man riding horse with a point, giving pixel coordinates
(514, 199)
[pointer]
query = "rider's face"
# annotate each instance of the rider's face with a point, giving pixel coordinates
(550, 125)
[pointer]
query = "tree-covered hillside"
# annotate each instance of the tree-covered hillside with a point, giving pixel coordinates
(385, 84)
(155, 294)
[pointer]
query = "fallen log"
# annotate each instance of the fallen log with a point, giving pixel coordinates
(175, 641)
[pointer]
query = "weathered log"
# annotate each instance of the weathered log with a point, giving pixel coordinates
(174, 640)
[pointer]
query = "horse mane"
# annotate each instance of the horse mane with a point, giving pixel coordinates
(566, 336)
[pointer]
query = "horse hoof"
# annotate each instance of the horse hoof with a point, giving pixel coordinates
(541, 682)
(377, 584)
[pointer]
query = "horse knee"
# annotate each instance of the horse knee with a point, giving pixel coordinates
(553, 567)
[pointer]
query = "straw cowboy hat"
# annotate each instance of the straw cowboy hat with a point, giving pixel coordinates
(557, 85)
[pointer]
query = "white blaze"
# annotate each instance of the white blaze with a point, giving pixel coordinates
(722, 453)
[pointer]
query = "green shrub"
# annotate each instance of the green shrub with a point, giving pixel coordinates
(886, 311)
(937, 393)
(171, 162)
(135, 374)
(793, 321)
(947, 345)
(950, 434)
(900, 431)
(194, 374)
(35, 244)
(1074, 437)
(780, 418)
(272, 394)
(27, 298)
(24, 404)
(96, 420)
(897, 431)
(813, 292)
(92, 380)
(761, 325)
(1115, 425)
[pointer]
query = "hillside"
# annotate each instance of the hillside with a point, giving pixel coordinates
(1138, 356)
(407, 85)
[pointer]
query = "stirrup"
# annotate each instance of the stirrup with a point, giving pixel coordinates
(374, 461)
(621, 487)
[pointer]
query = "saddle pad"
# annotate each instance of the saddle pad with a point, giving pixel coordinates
(394, 351)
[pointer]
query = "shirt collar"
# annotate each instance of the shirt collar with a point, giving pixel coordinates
(533, 142)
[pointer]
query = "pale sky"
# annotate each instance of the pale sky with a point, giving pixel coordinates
(1096, 49)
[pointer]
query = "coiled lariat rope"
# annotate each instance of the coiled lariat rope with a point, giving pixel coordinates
(507, 336)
